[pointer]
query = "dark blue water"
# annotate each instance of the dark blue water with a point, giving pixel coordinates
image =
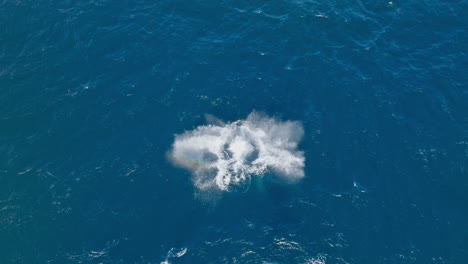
(93, 92)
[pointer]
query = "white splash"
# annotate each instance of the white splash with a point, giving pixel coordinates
(224, 155)
(174, 253)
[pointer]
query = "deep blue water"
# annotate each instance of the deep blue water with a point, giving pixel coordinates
(93, 92)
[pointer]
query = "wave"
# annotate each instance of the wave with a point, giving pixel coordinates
(174, 253)
(226, 155)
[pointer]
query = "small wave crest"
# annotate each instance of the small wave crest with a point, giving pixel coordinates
(227, 155)
(174, 253)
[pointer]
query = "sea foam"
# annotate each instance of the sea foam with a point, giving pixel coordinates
(226, 155)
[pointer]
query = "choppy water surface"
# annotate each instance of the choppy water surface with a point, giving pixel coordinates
(355, 151)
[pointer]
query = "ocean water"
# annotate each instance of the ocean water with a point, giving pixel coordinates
(206, 131)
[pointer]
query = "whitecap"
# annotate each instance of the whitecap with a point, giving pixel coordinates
(174, 253)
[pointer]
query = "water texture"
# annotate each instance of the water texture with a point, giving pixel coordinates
(127, 133)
